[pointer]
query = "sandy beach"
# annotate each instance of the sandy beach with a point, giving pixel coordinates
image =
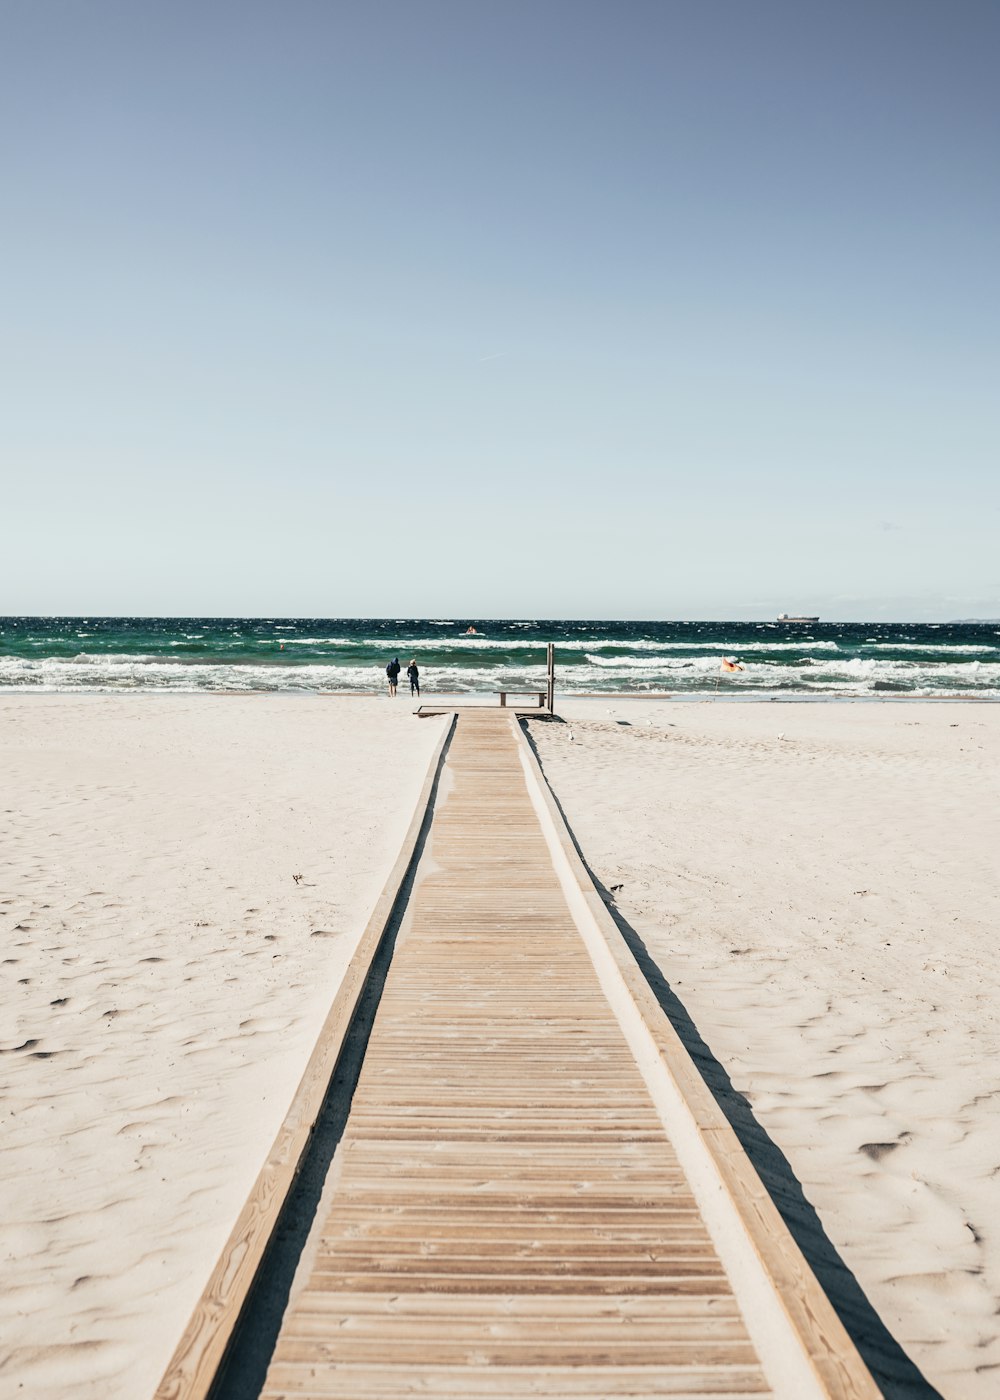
(816, 884)
(813, 883)
(164, 980)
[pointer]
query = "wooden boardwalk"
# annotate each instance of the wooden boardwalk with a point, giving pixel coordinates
(508, 1212)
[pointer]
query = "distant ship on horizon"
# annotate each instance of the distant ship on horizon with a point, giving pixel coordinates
(785, 617)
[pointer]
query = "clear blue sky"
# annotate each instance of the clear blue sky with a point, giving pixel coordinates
(653, 308)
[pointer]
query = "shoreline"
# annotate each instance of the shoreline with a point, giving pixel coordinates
(464, 696)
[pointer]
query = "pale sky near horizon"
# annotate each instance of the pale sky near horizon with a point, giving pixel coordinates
(547, 308)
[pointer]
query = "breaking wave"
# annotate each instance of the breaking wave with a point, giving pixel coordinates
(349, 655)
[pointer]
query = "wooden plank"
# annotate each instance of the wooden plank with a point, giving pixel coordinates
(526, 1309)
(556, 1383)
(315, 1346)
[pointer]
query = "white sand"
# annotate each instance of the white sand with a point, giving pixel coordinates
(825, 906)
(163, 982)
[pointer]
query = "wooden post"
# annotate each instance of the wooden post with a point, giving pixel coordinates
(550, 659)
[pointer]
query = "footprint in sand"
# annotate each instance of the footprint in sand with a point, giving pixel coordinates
(877, 1150)
(264, 1023)
(135, 1129)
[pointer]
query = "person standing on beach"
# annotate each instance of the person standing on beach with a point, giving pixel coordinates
(413, 675)
(392, 671)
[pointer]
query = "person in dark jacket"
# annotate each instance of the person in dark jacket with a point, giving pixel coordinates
(413, 676)
(392, 671)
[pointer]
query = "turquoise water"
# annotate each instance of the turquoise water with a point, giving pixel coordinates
(350, 654)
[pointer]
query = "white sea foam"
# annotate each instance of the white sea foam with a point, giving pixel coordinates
(310, 642)
(936, 648)
(594, 644)
(591, 644)
(653, 664)
(718, 649)
(608, 674)
(96, 658)
(114, 673)
(415, 644)
(804, 645)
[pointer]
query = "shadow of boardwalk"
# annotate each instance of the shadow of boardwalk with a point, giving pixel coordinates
(897, 1376)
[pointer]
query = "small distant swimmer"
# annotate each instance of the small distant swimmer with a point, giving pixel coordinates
(471, 632)
(729, 663)
(413, 676)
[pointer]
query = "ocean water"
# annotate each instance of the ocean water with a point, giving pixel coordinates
(350, 654)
